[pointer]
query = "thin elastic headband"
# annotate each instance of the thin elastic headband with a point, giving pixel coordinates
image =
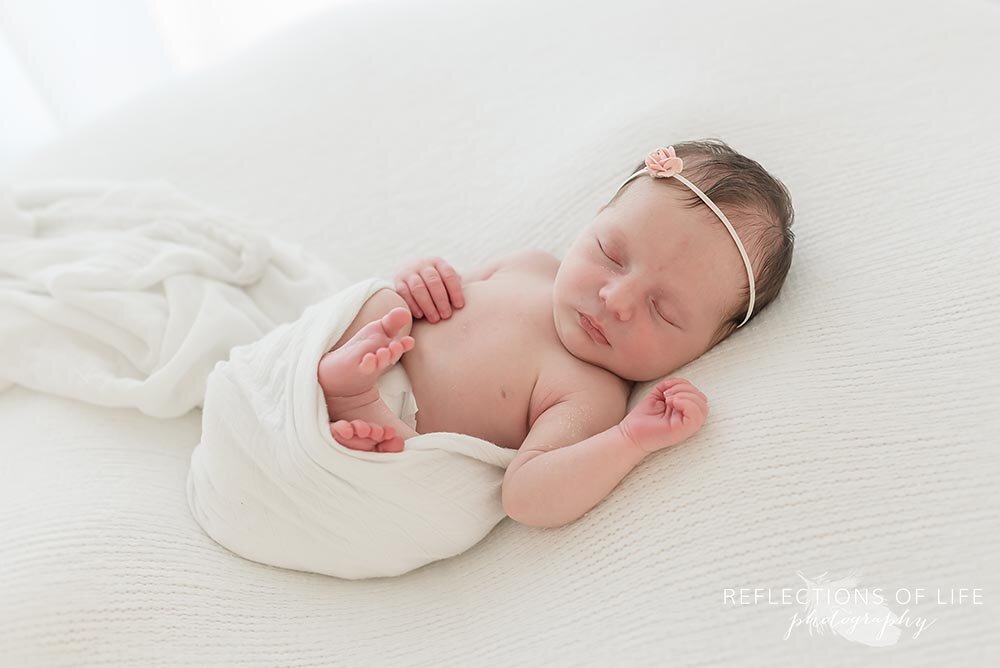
(663, 162)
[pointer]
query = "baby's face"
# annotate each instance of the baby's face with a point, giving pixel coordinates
(671, 275)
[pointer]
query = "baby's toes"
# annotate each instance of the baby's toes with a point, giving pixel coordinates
(368, 363)
(384, 357)
(361, 428)
(343, 433)
(397, 349)
(378, 438)
(395, 320)
(391, 444)
(342, 428)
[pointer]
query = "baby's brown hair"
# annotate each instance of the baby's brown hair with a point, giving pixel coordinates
(757, 205)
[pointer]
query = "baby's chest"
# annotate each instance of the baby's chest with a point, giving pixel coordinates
(476, 372)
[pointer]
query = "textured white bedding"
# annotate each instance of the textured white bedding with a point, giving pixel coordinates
(854, 423)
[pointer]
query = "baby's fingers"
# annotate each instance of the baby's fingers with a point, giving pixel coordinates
(404, 291)
(438, 291)
(664, 386)
(677, 416)
(672, 386)
(696, 399)
(688, 406)
(422, 294)
(452, 282)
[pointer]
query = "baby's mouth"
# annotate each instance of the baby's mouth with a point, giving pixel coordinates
(591, 328)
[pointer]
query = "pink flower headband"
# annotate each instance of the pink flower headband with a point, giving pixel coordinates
(663, 162)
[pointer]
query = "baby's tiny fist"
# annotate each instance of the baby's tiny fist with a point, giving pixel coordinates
(671, 413)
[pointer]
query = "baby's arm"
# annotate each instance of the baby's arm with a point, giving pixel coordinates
(574, 456)
(549, 484)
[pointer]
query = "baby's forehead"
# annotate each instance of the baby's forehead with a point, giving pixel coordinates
(662, 223)
(654, 213)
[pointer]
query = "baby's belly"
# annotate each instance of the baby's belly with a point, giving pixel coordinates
(474, 372)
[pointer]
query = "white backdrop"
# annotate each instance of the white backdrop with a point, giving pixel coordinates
(64, 62)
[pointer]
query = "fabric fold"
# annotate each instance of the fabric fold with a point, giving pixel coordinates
(270, 483)
(128, 294)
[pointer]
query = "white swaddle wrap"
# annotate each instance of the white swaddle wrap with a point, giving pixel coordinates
(134, 295)
(127, 294)
(269, 482)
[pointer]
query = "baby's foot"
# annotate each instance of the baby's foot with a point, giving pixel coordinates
(352, 369)
(363, 435)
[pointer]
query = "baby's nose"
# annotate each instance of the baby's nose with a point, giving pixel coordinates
(619, 306)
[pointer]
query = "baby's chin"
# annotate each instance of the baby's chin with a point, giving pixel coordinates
(567, 332)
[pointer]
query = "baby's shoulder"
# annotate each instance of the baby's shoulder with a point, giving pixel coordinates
(565, 379)
(531, 260)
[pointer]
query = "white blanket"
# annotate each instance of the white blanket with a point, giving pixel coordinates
(127, 295)
(130, 295)
(269, 482)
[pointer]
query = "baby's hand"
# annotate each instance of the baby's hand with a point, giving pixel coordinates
(672, 412)
(430, 287)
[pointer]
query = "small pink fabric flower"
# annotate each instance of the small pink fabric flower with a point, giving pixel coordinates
(664, 162)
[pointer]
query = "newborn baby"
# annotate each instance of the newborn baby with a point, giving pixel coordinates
(539, 354)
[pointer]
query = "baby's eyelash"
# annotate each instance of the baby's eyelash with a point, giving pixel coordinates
(660, 315)
(601, 246)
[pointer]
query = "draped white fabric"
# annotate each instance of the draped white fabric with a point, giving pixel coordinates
(64, 62)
